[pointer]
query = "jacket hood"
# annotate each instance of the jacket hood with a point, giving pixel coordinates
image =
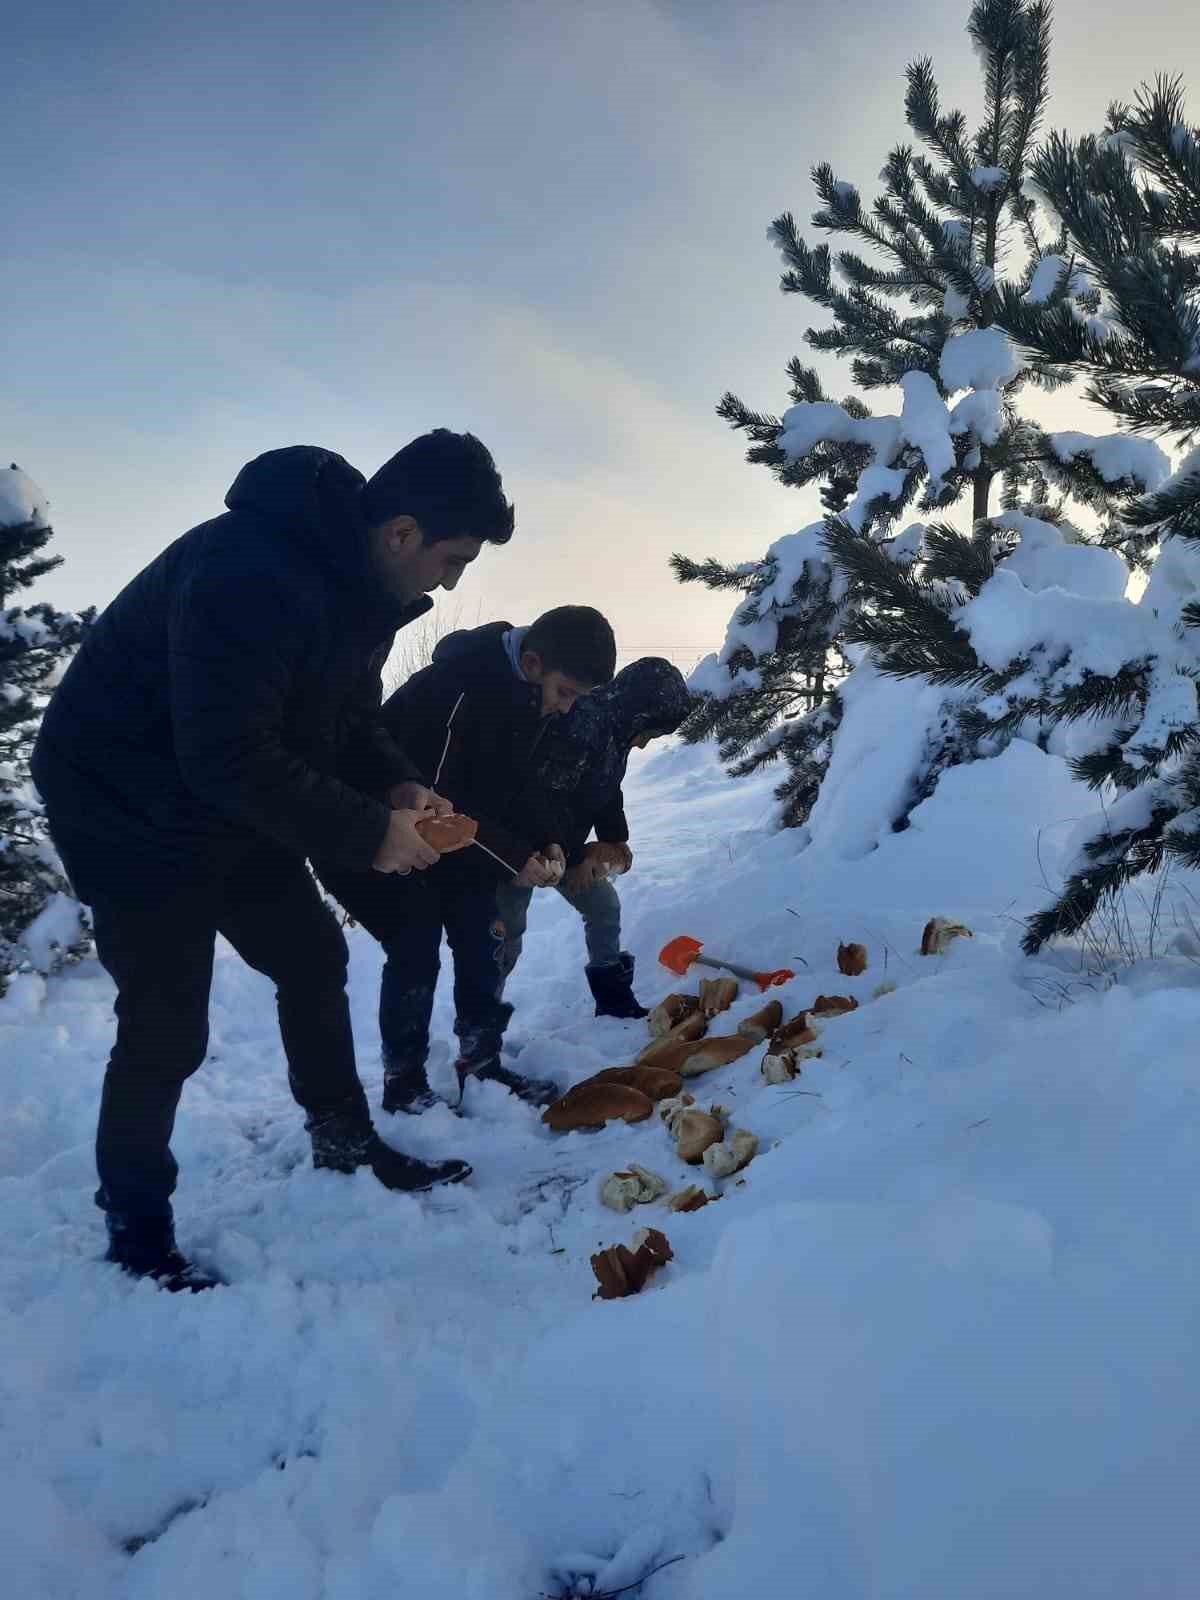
(648, 696)
(310, 496)
(485, 643)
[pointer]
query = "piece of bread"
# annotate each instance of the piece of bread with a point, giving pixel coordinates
(621, 1271)
(797, 1031)
(591, 1105)
(852, 960)
(694, 1131)
(722, 1160)
(713, 1053)
(662, 1053)
(763, 1023)
(717, 995)
(448, 833)
(657, 1083)
(669, 1013)
(939, 933)
(638, 1186)
(832, 1005)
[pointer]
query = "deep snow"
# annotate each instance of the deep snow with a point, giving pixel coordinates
(938, 1343)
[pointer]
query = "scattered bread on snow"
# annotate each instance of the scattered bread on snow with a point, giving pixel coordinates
(637, 1186)
(763, 1022)
(662, 1051)
(939, 933)
(657, 1083)
(832, 1005)
(723, 1160)
(796, 1032)
(715, 1053)
(694, 1131)
(621, 1271)
(717, 995)
(591, 1105)
(693, 1198)
(852, 960)
(668, 1013)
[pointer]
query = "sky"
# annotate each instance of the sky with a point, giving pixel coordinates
(234, 227)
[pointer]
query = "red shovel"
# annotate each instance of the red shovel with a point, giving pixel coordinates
(680, 954)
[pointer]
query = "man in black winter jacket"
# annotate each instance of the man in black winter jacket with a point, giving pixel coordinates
(474, 720)
(220, 724)
(579, 771)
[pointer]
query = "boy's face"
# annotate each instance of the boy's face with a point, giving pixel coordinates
(559, 690)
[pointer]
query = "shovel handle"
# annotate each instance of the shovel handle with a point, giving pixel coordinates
(764, 980)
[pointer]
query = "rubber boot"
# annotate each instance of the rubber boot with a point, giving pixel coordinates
(144, 1247)
(612, 988)
(341, 1142)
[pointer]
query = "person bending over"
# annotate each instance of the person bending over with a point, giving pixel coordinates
(219, 724)
(475, 720)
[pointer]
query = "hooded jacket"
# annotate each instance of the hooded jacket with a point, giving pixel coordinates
(230, 693)
(581, 763)
(474, 726)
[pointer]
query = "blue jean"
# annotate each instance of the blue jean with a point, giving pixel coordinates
(599, 906)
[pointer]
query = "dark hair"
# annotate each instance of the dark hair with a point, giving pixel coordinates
(576, 640)
(448, 483)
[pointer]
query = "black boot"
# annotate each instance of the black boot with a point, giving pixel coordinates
(612, 988)
(479, 1057)
(535, 1091)
(144, 1247)
(405, 1086)
(341, 1143)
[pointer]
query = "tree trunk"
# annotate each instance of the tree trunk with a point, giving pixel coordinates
(983, 485)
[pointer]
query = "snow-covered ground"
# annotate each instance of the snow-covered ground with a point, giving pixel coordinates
(937, 1343)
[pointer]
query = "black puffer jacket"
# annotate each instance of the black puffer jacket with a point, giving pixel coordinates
(581, 763)
(475, 728)
(216, 698)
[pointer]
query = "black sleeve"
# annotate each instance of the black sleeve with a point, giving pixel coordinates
(609, 821)
(235, 643)
(372, 758)
(435, 716)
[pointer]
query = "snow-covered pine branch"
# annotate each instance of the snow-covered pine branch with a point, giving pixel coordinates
(39, 923)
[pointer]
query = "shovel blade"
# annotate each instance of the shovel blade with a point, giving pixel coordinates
(678, 954)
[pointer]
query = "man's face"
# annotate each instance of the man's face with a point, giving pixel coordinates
(559, 690)
(409, 567)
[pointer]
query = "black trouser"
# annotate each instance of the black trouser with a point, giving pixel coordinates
(407, 915)
(157, 943)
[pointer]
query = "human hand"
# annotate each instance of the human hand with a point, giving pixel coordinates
(535, 874)
(555, 860)
(403, 847)
(580, 877)
(609, 859)
(416, 797)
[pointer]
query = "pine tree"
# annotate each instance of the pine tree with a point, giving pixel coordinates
(34, 644)
(1130, 207)
(919, 313)
(1119, 304)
